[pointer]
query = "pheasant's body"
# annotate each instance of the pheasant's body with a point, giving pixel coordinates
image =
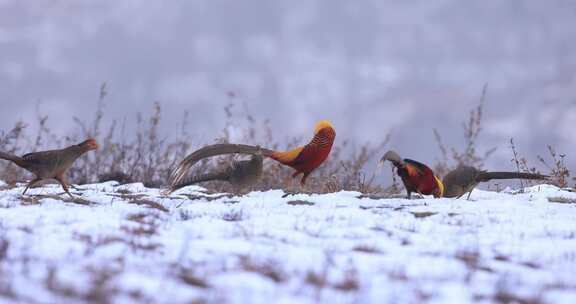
(48, 164)
(51, 164)
(246, 173)
(241, 175)
(309, 157)
(415, 176)
(464, 179)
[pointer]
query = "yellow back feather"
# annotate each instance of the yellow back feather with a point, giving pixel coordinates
(287, 156)
(440, 186)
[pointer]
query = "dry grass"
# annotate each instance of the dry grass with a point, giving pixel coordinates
(189, 277)
(102, 289)
(268, 269)
(300, 203)
(6, 289)
(148, 156)
(469, 155)
(4, 245)
(371, 249)
(562, 200)
(423, 214)
(559, 173)
(149, 204)
(233, 215)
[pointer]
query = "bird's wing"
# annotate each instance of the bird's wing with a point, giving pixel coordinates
(415, 168)
(180, 172)
(43, 158)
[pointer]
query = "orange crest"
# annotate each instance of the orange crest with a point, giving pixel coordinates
(323, 124)
(90, 144)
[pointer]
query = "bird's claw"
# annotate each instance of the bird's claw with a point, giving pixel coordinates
(288, 193)
(77, 188)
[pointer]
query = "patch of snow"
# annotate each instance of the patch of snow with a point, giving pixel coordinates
(132, 244)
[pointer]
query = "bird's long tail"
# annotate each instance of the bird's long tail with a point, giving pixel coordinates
(179, 174)
(486, 176)
(13, 158)
(195, 179)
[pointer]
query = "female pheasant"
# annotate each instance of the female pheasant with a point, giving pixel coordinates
(51, 164)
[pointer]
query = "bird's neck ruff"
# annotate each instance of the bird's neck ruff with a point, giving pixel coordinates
(324, 137)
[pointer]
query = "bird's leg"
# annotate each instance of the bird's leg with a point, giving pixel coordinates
(295, 185)
(469, 193)
(421, 196)
(62, 181)
(239, 191)
(31, 183)
(418, 196)
(293, 188)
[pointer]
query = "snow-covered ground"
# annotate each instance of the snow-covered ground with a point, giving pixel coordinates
(130, 244)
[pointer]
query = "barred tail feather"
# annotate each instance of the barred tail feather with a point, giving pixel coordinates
(486, 176)
(179, 174)
(192, 180)
(13, 158)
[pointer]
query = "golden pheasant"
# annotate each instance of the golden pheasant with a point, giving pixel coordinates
(464, 179)
(303, 159)
(307, 158)
(241, 174)
(416, 176)
(51, 164)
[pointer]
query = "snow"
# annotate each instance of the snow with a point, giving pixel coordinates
(263, 248)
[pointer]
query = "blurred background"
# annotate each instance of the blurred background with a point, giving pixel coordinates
(373, 68)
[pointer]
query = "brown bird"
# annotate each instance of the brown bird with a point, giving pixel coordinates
(464, 179)
(51, 164)
(240, 174)
(415, 176)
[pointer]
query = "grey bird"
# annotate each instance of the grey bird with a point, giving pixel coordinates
(240, 174)
(464, 179)
(51, 164)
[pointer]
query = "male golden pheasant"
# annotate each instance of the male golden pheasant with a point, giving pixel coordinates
(51, 164)
(303, 159)
(309, 157)
(416, 176)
